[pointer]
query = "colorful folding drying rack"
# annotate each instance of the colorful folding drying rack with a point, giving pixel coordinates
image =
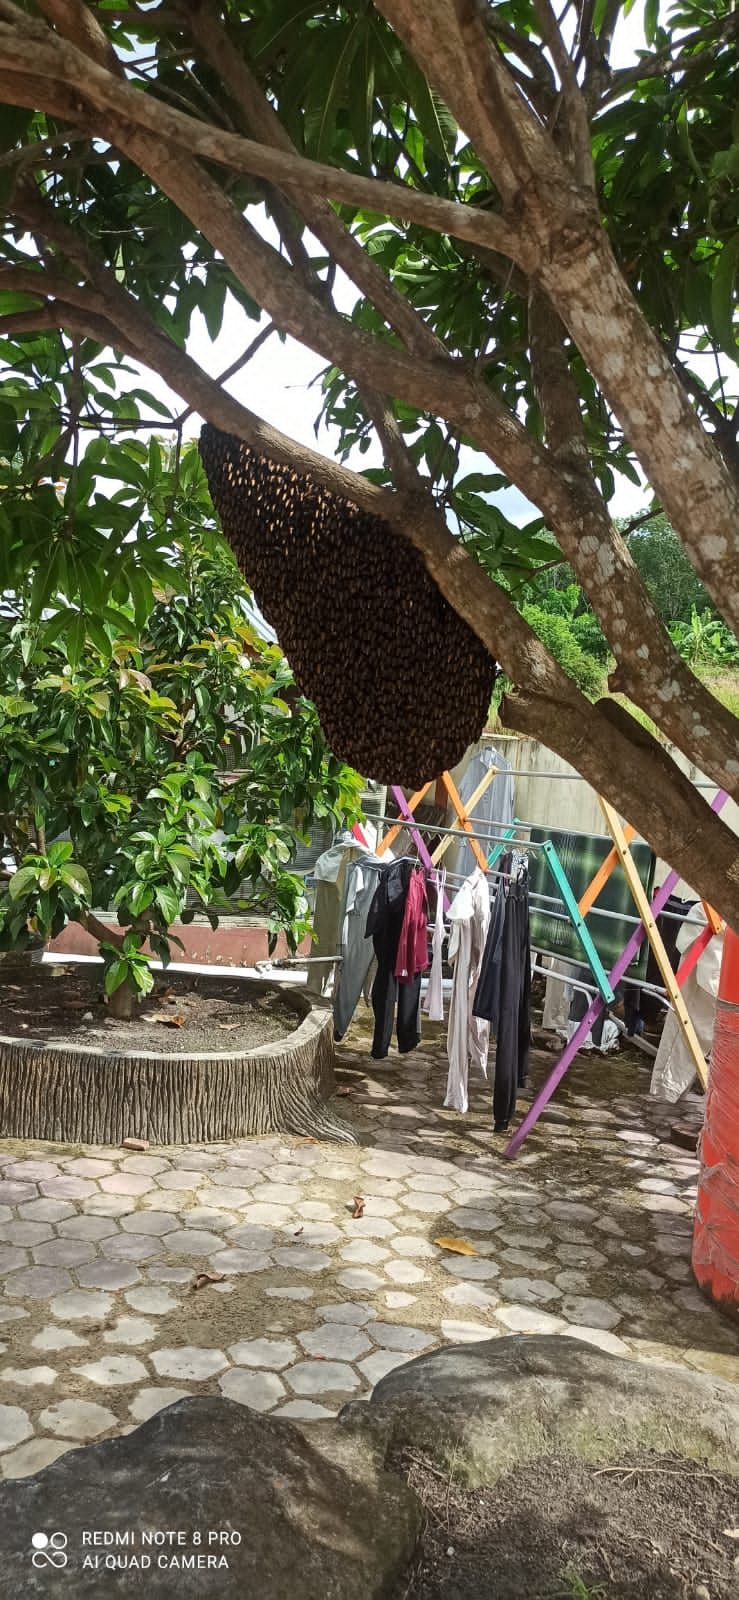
(647, 929)
(463, 812)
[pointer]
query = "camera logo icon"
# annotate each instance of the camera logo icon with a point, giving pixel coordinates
(49, 1550)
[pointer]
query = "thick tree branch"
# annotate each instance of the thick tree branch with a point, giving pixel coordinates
(578, 125)
(97, 91)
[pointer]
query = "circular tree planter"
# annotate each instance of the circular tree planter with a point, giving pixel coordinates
(77, 1094)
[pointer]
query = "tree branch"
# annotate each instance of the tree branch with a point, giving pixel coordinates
(578, 125)
(97, 90)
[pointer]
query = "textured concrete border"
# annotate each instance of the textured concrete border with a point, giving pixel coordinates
(76, 1094)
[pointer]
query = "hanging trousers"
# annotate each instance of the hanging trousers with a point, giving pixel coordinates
(386, 990)
(503, 998)
(384, 923)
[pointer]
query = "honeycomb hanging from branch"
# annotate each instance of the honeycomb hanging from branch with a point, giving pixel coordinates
(401, 684)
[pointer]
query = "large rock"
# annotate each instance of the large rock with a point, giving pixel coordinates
(485, 1408)
(311, 1521)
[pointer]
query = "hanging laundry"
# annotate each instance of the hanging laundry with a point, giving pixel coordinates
(354, 948)
(330, 875)
(434, 1003)
(384, 925)
(467, 1036)
(413, 945)
(503, 993)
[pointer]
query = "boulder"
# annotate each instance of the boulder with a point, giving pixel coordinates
(207, 1499)
(483, 1409)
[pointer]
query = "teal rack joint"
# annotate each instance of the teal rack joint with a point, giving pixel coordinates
(578, 921)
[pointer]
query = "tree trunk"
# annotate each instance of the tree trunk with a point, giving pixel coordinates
(122, 1003)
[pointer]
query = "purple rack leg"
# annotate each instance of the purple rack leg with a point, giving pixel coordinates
(596, 1006)
(416, 836)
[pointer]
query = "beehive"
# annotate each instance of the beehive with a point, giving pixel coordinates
(401, 684)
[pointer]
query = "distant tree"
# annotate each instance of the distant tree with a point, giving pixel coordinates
(670, 580)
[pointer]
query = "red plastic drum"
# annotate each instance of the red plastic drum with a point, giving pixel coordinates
(716, 1235)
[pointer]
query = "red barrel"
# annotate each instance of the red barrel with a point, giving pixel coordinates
(716, 1235)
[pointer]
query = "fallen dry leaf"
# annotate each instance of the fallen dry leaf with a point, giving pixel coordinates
(358, 1206)
(459, 1247)
(169, 1022)
(227, 1026)
(343, 1090)
(731, 1533)
(297, 1233)
(201, 1279)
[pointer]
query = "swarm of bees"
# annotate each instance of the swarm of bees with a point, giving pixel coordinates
(401, 684)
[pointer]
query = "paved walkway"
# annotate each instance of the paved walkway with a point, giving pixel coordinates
(588, 1233)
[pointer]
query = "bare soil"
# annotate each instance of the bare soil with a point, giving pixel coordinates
(183, 1015)
(652, 1528)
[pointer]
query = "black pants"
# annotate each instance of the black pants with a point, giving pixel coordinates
(385, 991)
(503, 998)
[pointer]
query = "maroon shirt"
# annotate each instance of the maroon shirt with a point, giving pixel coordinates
(413, 951)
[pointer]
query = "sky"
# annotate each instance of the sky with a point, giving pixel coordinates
(277, 382)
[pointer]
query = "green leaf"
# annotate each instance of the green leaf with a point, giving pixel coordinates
(76, 877)
(116, 974)
(24, 880)
(723, 301)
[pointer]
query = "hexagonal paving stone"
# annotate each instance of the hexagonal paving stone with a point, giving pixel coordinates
(261, 1391)
(321, 1377)
(32, 1457)
(396, 1336)
(15, 1426)
(359, 1278)
(109, 1205)
(527, 1319)
(34, 1170)
(230, 1199)
(370, 1228)
(316, 1210)
(473, 1219)
(154, 1222)
(132, 1247)
(293, 1293)
(28, 1377)
(377, 1366)
(166, 1274)
(109, 1275)
(412, 1244)
(153, 1302)
(148, 1402)
(69, 1188)
(272, 1216)
(109, 1371)
(15, 1194)
(77, 1419)
(470, 1268)
(378, 1206)
(11, 1259)
(275, 1194)
(432, 1182)
(304, 1411)
(570, 1211)
(18, 1232)
(271, 1353)
(131, 1330)
(404, 1272)
(241, 1261)
(388, 1166)
(64, 1253)
(591, 1313)
(88, 1167)
(196, 1160)
(38, 1283)
(80, 1303)
(251, 1236)
(192, 1242)
(335, 1341)
(45, 1210)
(302, 1260)
(315, 1233)
(207, 1217)
(351, 1311)
(529, 1291)
(601, 1338)
(189, 1362)
(89, 1228)
(467, 1332)
(431, 1205)
(126, 1183)
(149, 1166)
(364, 1252)
(53, 1338)
(397, 1300)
